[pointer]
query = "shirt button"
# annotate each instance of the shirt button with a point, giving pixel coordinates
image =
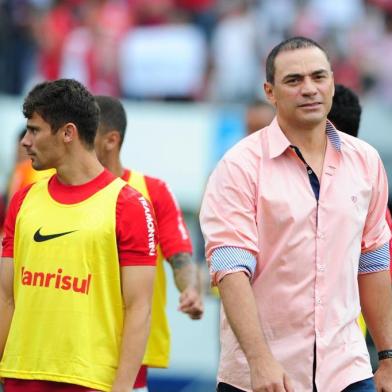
(321, 267)
(310, 172)
(318, 301)
(320, 235)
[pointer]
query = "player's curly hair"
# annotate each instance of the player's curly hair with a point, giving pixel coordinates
(65, 101)
(346, 110)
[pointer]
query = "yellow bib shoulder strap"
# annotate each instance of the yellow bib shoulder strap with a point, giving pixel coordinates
(138, 182)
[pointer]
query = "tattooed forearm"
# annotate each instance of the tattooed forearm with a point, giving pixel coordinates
(184, 271)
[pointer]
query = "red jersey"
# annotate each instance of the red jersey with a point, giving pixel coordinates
(173, 234)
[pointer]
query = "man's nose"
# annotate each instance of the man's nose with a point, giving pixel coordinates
(26, 140)
(308, 87)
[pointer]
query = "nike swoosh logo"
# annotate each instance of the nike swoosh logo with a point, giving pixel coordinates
(38, 237)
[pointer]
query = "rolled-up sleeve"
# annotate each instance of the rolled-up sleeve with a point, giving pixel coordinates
(375, 253)
(228, 217)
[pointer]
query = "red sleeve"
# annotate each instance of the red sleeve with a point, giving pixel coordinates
(10, 221)
(173, 233)
(135, 229)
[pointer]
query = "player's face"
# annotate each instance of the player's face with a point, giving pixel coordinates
(303, 87)
(100, 146)
(42, 146)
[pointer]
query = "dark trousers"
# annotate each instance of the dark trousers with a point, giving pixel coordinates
(223, 387)
(361, 386)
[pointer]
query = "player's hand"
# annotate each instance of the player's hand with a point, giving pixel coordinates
(191, 303)
(269, 376)
(383, 376)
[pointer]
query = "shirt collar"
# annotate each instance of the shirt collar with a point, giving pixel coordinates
(278, 142)
(333, 136)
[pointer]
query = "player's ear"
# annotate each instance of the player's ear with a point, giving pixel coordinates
(112, 140)
(69, 132)
(333, 82)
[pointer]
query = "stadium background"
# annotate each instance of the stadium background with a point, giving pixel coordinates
(185, 71)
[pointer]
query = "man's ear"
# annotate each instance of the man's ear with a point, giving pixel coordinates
(69, 132)
(333, 81)
(269, 93)
(112, 140)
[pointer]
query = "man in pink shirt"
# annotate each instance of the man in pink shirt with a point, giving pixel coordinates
(297, 242)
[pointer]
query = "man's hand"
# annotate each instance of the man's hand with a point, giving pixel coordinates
(266, 374)
(383, 376)
(191, 303)
(269, 376)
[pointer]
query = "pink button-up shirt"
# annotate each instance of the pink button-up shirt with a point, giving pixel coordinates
(260, 215)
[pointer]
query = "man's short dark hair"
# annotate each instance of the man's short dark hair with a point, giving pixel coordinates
(346, 110)
(62, 101)
(287, 45)
(112, 115)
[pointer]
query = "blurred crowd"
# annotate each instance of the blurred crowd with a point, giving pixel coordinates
(194, 50)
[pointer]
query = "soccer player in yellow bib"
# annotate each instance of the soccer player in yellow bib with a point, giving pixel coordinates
(78, 259)
(174, 241)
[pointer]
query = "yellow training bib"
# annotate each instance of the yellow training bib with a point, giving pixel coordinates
(68, 320)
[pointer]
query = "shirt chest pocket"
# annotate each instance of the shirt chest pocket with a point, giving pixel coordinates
(349, 201)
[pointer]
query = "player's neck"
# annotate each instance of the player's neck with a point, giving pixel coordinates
(79, 171)
(113, 164)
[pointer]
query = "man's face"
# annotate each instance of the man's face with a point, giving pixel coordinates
(42, 146)
(303, 88)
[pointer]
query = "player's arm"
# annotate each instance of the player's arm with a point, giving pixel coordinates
(176, 247)
(187, 280)
(6, 299)
(137, 287)
(137, 242)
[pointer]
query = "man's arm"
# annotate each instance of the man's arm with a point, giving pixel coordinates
(240, 308)
(6, 299)
(187, 280)
(137, 287)
(376, 302)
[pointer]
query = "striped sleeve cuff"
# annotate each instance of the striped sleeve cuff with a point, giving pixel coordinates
(375, 261)
(231, 258)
